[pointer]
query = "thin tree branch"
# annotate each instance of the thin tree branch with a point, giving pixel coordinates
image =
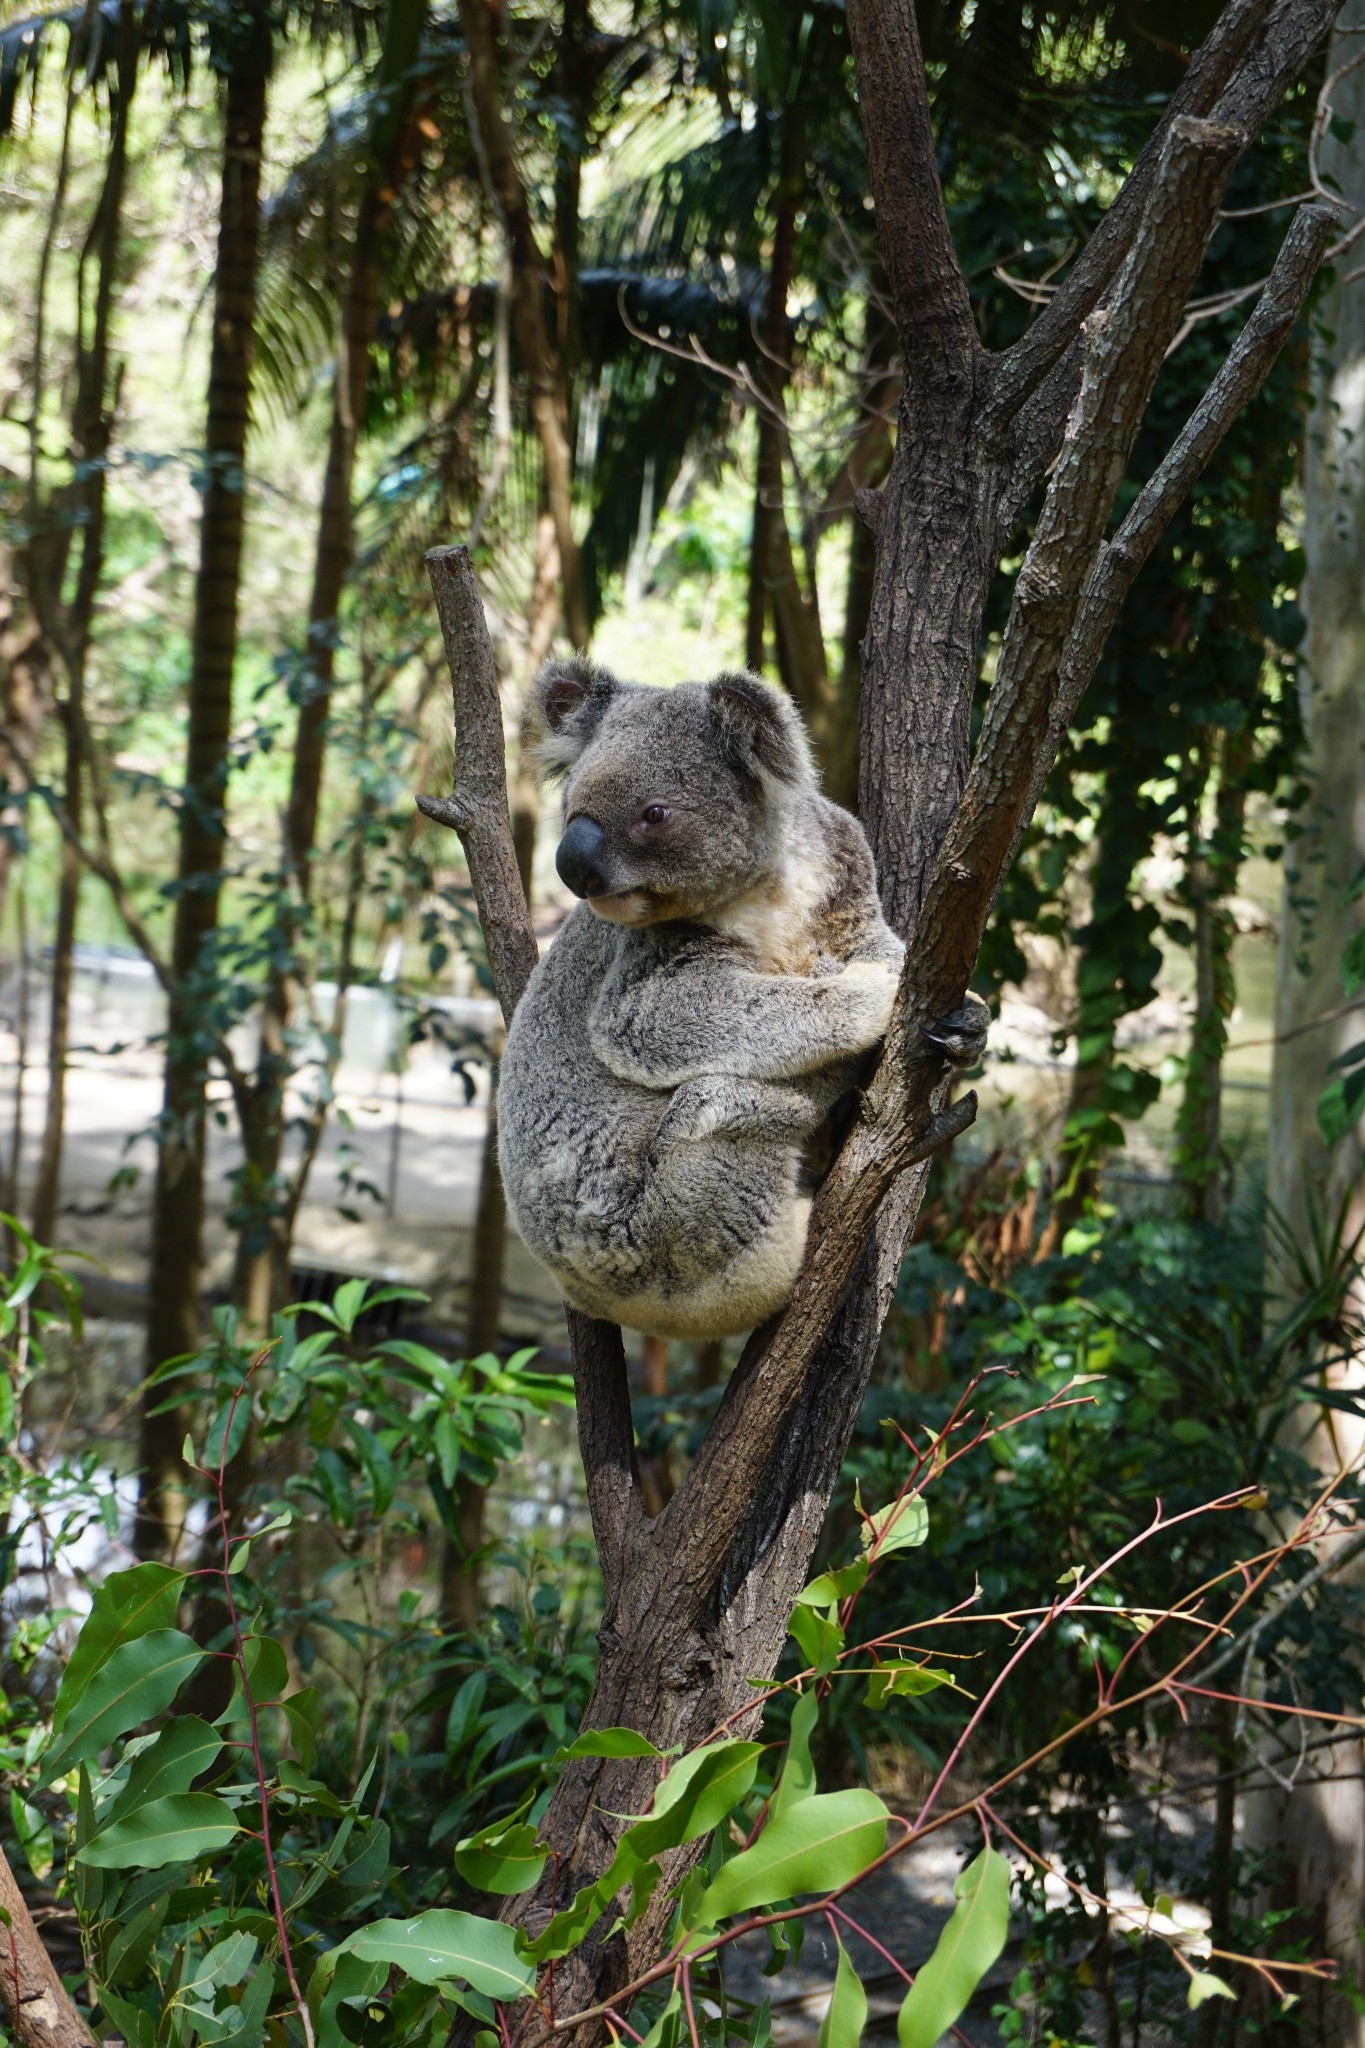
(1126, 343)
(1255, 50)
(1241, 376)
(932, 305)
(477, 806)
(100, 864)
(1242, 1646)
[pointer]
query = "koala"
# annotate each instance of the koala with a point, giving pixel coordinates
(713, 995)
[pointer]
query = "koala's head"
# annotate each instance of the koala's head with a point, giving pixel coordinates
(675, 800)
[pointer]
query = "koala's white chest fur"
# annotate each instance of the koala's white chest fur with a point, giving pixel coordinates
(776, 922)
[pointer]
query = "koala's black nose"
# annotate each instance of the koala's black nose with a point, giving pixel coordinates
(579, 858)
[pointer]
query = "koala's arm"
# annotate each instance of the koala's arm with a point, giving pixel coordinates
(709, 1014)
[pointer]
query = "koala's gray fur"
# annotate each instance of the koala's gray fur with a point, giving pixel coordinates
(700, 1013)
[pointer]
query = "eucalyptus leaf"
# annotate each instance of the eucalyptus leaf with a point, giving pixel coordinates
(797, 1781)
(436, 1947)
(819, 1844)
(967, 1948)
(182, 1827)
(127, 1605)
(842, 2026)
(136, 1683)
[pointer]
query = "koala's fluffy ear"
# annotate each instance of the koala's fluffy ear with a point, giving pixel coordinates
(759, 728)
(573, 695)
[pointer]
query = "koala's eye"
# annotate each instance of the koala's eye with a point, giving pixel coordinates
(655, 814)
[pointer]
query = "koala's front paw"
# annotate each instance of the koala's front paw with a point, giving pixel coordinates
(961, 1035)
(696, 1110)
(872, 985)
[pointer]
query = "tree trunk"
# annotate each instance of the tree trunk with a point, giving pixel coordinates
(461, 1569)
(696, 1602)
(261, 1275)
(1211, 877)
(47, 1184)
(34, 1999)
(173, 1318)
(80, 507)
(1320, 1826)
(26, 670)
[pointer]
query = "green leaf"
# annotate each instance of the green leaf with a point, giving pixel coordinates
(126, 1606)
(667, 2029)
(834, 1586)
(134, 2024)
(348, 1981)
(815, 1846)
(1341, 1105)
(137, 1683)
(904, 1681)
(303, 1712)
(695, 1797)
(797, 1781)
(606, 1742)
(506, 1863)
(435, 1947)
(33, 1834)
(818, 1637)
(1204, 1985)
(901, 1525)
(842, 2026)
(966, 1949)
(179, 1828)
(226, 1963)
(267, 1674)
(180, 1753)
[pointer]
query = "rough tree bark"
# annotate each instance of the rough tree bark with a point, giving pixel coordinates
(1318, 1829)
(178, 1197)
(697, 1601)
(32, 1994)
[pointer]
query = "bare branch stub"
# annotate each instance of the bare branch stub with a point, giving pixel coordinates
(477, 810)
(477, 806)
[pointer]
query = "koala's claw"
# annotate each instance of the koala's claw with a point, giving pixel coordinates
(961, 1035)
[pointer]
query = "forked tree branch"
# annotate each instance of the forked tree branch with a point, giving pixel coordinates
(904, 1117)
(1238, 381)
(1254, 52)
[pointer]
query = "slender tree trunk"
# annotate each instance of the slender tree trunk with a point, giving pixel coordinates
(82, 509)
(1211, 877)
(541, 363)
(461, 1566)
(173, 1319)
(26, 669)
(47, 1184)
(264, 1247)
(1319, 1828)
